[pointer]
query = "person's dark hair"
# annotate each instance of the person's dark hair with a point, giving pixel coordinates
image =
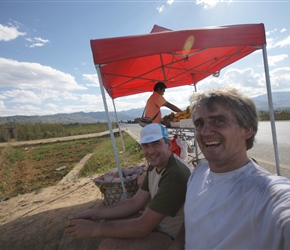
(242, 107)
(159, 85)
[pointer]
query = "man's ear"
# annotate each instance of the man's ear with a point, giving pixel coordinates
(248, 132)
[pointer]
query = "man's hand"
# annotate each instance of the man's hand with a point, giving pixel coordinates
(81, 229)
(90, 214)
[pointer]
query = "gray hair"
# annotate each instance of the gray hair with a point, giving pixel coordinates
(242, 107)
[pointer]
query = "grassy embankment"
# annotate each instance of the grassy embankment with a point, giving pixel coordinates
(280, 115)
(29, 168)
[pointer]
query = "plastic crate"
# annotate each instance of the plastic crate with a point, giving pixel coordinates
(175, 124)
(186, 123)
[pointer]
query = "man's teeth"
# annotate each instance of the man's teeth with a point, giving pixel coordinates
(212, 143)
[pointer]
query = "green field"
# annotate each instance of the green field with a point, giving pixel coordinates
(29, 168)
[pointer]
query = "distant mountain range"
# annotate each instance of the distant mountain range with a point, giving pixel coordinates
(281, 100)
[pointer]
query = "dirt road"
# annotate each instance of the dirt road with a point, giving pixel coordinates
(58, 139)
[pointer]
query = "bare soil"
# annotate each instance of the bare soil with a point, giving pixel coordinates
(37, 220)
(38, 166)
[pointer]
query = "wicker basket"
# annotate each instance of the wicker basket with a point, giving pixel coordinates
(112, 191)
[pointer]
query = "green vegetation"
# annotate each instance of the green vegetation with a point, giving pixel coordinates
(36, 131)
(29, 168)
(280, 115)
(104, 159)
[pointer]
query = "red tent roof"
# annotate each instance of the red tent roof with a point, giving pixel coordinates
(133, 64)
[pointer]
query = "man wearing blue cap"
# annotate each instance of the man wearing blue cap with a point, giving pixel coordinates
(162, 193)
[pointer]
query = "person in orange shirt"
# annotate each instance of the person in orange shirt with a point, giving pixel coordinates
(156, 101)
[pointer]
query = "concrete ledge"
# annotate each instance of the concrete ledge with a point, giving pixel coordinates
(73, 174)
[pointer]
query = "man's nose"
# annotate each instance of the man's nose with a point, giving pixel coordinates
(207, 128)
(150, 149)
(147, 148)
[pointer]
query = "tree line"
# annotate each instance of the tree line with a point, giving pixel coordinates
(280, 115)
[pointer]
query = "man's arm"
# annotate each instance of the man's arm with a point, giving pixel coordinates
(127, 228)
(121, 209)
(172, 107)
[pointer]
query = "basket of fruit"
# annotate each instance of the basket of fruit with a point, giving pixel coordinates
(176, 119)
(110, 183)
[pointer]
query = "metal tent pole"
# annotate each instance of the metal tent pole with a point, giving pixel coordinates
(195, 141)
(111, 133)
(121, 136)
(271, 110)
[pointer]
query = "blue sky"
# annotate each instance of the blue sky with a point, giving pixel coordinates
(46, 64)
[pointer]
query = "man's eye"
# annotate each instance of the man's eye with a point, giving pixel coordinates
(217, 121)
(197, 124)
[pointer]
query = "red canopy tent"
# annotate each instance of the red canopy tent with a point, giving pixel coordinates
(133, 64)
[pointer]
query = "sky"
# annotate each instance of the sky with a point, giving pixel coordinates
(46, 63)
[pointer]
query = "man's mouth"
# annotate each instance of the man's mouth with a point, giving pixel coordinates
(212, 143)
(152, 157)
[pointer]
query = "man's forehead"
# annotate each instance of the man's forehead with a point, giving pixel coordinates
(212, 111)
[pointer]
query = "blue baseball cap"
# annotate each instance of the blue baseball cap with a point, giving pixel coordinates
(153, 132)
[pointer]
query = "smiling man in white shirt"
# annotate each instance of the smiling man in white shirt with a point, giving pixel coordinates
(231, 202)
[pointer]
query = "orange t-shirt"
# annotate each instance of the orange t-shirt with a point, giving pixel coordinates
(153, 105)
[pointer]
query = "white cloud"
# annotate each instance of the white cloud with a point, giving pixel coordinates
(269, 32)
(8, 33)
(51, 94)
(247, 80)
(85, 103)
(93, 79)
(160, 8)
(283, 30)
(20, 110)
(33, 109)
(26, 75)
(274, 42)
(93, 85)
(34, 103)
(283, 43)
(36, 45)
(36, 42)
(53, 108)
(270, 43)
(30, 89)
(207, 4)
(280, 79)
(273, 60)
(132, 101)
(41, 40)
(2, 105)
(69, 96)
(23, 96)
(91, 100)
